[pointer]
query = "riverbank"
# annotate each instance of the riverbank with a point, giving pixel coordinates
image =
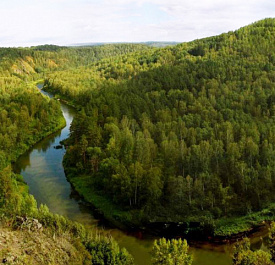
(85, 244)
(107, 210)
(219, 231)
(58, 96)
(38, 134)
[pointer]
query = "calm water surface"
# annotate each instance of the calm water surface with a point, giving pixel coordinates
(42, 169)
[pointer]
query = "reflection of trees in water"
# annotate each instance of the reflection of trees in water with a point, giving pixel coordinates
(68, 112)
(74, 195)
(22, 163)
(84, 207)
(47, 142)
(24, 160)
(259, 244)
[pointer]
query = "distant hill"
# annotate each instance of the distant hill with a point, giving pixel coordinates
(158, 44)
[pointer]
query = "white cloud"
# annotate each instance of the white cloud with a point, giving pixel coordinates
(32, 22)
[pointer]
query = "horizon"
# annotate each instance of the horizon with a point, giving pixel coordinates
(90, 44)
(99, 43)
(70, 22)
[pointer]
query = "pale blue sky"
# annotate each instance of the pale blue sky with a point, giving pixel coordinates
(64, 22)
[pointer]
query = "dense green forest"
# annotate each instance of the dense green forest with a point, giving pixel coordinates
(182, 133)
(26, 116)
(29, 63)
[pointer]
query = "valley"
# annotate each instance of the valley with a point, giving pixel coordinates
(155, 138)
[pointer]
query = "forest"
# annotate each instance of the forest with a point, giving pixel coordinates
(26, 116)
(180, 134)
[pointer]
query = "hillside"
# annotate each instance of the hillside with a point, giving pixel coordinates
(31, 234)
(148, 43)
(37, 60)
(24, 247)
(184, 133)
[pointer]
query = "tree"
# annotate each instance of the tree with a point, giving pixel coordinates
(83, 144)
(5, 186)
(244, 256)
(171, 252)
(166, 130)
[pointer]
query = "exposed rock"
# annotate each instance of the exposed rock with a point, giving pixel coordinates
(28, 223)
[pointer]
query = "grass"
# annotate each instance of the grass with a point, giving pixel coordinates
(229, 226)
(22, 246)
(104, 206)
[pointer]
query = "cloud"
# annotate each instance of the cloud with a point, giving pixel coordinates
(196, 19)
(33, 22)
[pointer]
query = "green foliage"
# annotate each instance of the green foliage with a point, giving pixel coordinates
(111, 212)
(171, 252)
(227, 226)
(166, 134)
(106, 251)
(26, 116)
(244, 256)
(180, 132)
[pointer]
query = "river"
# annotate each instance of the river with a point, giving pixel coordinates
(42, 169)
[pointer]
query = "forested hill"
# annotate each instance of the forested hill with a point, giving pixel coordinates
(178, 133)
(148, 43)
(26, 116)
(38, 60)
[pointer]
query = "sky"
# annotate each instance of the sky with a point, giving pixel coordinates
(66, 22)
